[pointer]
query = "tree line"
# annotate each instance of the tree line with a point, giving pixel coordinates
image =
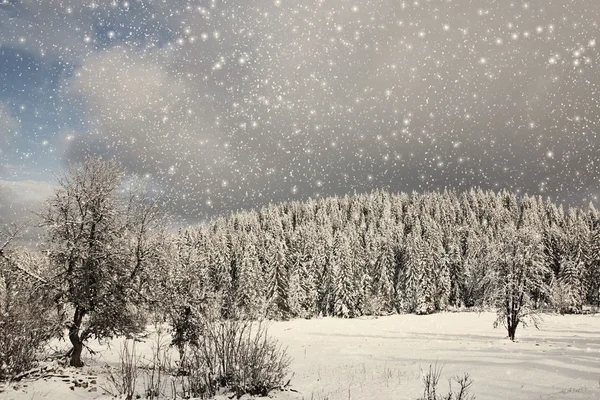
(382, 253)
(107, 261)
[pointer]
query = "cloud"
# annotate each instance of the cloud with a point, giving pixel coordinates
(234, 104)
(9, 126)
(143, 114)
(20, 198)
(18, 202)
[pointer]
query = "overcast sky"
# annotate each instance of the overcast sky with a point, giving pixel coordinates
(238, 103)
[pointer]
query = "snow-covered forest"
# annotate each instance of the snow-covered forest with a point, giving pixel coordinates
(384, 253)
(108, 266)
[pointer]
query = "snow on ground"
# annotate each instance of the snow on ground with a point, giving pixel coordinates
(383, 358)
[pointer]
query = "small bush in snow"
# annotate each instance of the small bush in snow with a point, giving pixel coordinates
(236, 356)
(20, 341)
(123, 380)
(431, 380)
(27, 318)
(157, 373)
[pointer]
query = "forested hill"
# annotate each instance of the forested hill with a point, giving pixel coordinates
(383, 253)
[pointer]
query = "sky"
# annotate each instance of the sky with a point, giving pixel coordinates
(236, 104)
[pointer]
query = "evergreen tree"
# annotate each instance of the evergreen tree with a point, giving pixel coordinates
(456, 270)
(594, 266)
(567, 288)
(436, 273)
(249, 290)
(383, 275)
(323, 262)
(413, 253)
(418, 275)
(307, 270)
(277, 278)
(344, 283)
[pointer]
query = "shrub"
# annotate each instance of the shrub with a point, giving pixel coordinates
(157, 373)
(27, 319)
(431, 380)
(237, 356)
(20, 342)
(122, 382)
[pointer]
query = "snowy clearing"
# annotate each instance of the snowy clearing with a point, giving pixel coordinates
(382, 358)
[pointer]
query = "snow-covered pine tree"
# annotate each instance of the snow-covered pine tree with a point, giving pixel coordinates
(436, 275)
(567, 289)
(383, 277)
(456, 269)
(277, 278)
(570, 285)
(307, 270)
(345, 284)
(219, 263)
(467, 226)
(293, 256)
(397, 240)
(418, 282)
(185, 283)
(302, 295)
(249, 285)
(594, 266)
(475, 246)
(366, 264)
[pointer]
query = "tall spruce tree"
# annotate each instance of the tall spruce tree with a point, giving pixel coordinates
(594, 265)
(277, 277)
(345, 284)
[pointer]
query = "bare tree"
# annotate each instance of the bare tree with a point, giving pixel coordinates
(518, 273)
(98, 227)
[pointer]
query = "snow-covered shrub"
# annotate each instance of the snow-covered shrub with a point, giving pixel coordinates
(19, 343)
(27, 317)
(374, 305)
(235, 356)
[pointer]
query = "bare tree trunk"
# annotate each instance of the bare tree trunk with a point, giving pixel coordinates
(75, 360)
(511, 332)
(509, 324)
(76, 340)
(513, 323)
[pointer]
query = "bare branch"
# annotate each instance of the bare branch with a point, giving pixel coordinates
(10, 234)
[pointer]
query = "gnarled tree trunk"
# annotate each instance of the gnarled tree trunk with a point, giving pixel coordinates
(76, 339)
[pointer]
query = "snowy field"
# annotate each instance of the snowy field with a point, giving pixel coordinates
(383, 358)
